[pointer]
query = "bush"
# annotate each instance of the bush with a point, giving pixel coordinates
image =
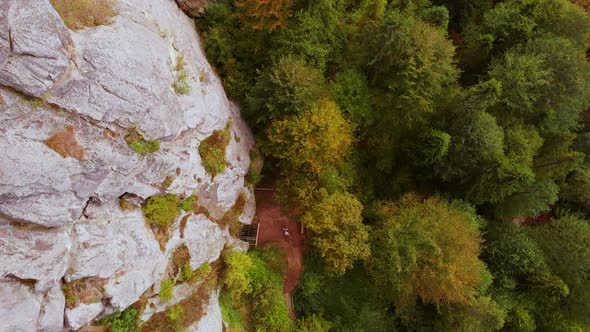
(80, 14)
(122, 321)
(212, 151)
(139, 144)
(161, 210)
(175, 312)
(166, 288)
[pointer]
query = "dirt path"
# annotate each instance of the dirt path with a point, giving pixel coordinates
(272, 221)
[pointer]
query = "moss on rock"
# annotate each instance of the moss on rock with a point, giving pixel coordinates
(162, 210)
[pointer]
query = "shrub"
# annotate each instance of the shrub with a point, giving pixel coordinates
(175, 312)
(80, 14)
(137, 142)
(122, 321)
(162, 210)
(231, 315)
(166, 288)
(212, 151)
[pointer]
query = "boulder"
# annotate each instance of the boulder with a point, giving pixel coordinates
(212, 321)
(83, 314)
(51, 318)
(204, 239)
(19, 307)
(35, 46)
(33, 253)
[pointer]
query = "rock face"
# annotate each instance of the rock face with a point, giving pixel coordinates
(67, 101)
(193, 8)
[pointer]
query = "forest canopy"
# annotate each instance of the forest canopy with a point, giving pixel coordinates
(436, 151)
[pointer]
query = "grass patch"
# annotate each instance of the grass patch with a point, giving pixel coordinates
(65, 144)
(122, 321)
(161, 210)
(212, 151)
(79, 14)
(85, 290)
(180, 84)
(166, 288)
(139, 144)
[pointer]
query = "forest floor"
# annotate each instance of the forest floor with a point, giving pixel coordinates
(272, 220)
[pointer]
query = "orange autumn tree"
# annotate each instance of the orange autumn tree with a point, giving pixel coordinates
(267, 15)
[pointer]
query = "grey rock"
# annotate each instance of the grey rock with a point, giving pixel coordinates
(51, 318)
(100, 82)
(212, 321)
(35, 46)
(112, 241)
(33, 253)
(204, 239)
(83, 314)
(19, 307)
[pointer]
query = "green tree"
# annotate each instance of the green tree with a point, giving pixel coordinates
(236, 279)
(411, 61)
(338, 231)
(288, 87)
(566, 245)
(314, 139)
(426, 249)
(351, 91)
(511, 254)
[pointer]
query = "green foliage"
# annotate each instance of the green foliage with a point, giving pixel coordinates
(349, 302)
(175, 312)
(535, 199)
(314, 139)
(190, 204)
(511, 253)
(351, 92)
(364, 98)
(122, 321)
(314, 323)
(290, 86)
(231, 315)
(166, 288)
(161, 210)
(339, 234)
(212, 151)
(236, 278)
(566, 245)
(249, 279)
(411, 61)
(425, 249)
(139, 144)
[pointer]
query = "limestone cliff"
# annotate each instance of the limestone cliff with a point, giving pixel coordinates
(72, 187)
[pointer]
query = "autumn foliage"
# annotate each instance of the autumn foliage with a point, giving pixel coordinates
(267, 15)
